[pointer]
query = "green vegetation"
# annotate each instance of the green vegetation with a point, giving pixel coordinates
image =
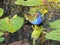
(55, 34)
(9, 25)
(1, 12)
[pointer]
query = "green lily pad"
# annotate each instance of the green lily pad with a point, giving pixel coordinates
(19, 2)
(28, 2)
(1, 33)
(55, 24)
(53, 35)
(16, 23)
(1, 12)
(3, 25)
(11, 25)
(1, 39)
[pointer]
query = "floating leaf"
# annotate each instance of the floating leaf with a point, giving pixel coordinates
(16, 23)
(1, 39)
(1, 33)
(1, 12)
(28, 2)
(54, 35)
(19, 2)
(3, 24)
(11, 25)
(55, 24)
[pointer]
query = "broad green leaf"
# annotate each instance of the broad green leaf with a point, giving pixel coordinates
(15, 24)
(55, 24)
(1, 12)
(3, 24)
(11, 25)
(28, 2)
(1, 39)
(54, 35)
(1, 33)
(19, 2)
(31, 3)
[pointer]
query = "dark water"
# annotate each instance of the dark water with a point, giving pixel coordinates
(24, 33)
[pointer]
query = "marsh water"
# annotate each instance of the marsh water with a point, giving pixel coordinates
(23, 35)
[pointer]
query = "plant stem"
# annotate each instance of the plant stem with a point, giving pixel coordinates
(34, 42)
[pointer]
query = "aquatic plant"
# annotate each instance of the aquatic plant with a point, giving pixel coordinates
(27, 2)
(18, 2)
(1, 33)
(55, 34)
(55, 24)
(1, 38)
(36, 33)
(1, 12)
(11, 25)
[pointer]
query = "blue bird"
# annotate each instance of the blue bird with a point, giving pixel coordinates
(35, 19)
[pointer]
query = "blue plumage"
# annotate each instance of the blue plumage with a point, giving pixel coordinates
(38, 19)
